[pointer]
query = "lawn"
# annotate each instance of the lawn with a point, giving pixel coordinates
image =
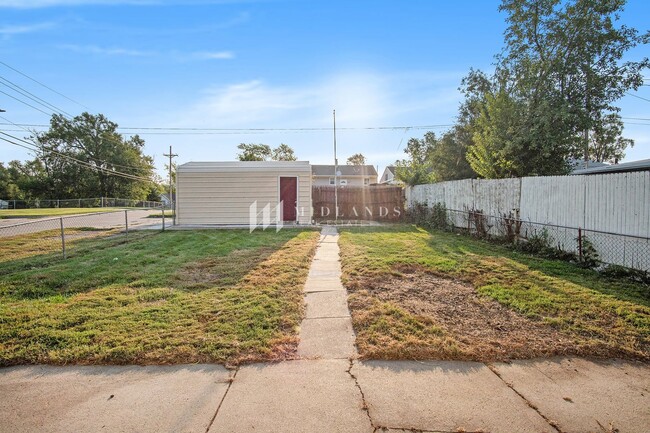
(47, 241)
(52, 212)
(434, 295)
(173, 297)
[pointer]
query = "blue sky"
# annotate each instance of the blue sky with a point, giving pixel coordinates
(263, 65)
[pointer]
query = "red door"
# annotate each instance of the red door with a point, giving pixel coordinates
(289, 197)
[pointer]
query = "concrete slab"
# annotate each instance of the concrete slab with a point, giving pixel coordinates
(323, 284)
(111, 399)
(294, 396)
(333, 271)
(327, 304)
(443, 396)
(326, 339)
(582, 395)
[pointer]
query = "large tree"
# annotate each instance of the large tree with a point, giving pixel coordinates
(356, 159)
(254, 152)
(283, 153)
(87, 157)
(416, 169)
(263, 152)
(565, 60)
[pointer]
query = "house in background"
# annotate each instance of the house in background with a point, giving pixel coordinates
(388, 176)
(580, 164)
(641, 165)
(350, 175)
(164, 198)
(4, 204)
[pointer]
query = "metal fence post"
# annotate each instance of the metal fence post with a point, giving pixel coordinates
(580, 243)
(126, 222)
(62, 238)
(163, 218)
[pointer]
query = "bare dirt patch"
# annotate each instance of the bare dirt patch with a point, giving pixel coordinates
(220, 271)
(483, 329)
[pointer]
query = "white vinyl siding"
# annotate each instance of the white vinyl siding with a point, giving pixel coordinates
(222, 193)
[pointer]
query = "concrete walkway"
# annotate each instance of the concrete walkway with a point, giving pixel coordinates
(326, 332)
(330, 391)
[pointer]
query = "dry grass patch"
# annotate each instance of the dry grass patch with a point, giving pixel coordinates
(172, 297)
(484, 302)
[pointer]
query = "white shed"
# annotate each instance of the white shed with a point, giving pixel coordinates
(230, 192)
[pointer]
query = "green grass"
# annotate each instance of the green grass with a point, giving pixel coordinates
(46, 244)
(52, 212)
(158, 214)
(603, 317)
(172, 297)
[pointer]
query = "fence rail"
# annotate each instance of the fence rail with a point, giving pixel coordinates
(79, 203)
(589, 247)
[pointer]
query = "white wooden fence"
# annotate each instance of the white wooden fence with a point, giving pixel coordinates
(616, 203)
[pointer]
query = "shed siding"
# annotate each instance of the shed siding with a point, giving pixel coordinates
(225, 197)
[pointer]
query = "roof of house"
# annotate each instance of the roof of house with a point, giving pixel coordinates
(579, 164)
(390, 168)
(643, 164)
(242, 166)
(346, 170)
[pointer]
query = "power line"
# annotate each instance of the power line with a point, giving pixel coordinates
(110, 139)
(188, 130)
(16, 88)
(44, 85)
(637, 96)
(35, 147)
(26, 103)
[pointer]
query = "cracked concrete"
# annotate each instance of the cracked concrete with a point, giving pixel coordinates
(293, 396)
(330, 391)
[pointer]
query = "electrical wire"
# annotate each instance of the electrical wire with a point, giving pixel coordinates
(95, 159)
(16, 88)
(26, 103)
(637, 96)
(40, 148)
(47, 87)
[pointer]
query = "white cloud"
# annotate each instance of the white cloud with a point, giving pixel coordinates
(129, 52)
(24, 28)
(109, 51)
(362, 99)
(213, 55)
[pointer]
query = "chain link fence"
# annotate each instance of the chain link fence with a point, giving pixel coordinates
(589, 248)
(79, 203)
(61, 236)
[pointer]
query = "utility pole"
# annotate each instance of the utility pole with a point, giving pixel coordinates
(336, 169)
(171, 187)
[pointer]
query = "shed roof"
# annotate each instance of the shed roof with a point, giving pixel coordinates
(244, 166)
(346, 170)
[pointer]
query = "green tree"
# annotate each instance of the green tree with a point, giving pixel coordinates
(254, 152)
(417, 168)
(606, 143)
(283, 153)
(449, 156)
(565, 59)
(98, 151)
(356, 159)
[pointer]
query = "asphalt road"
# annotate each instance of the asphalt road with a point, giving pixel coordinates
(103, 220)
